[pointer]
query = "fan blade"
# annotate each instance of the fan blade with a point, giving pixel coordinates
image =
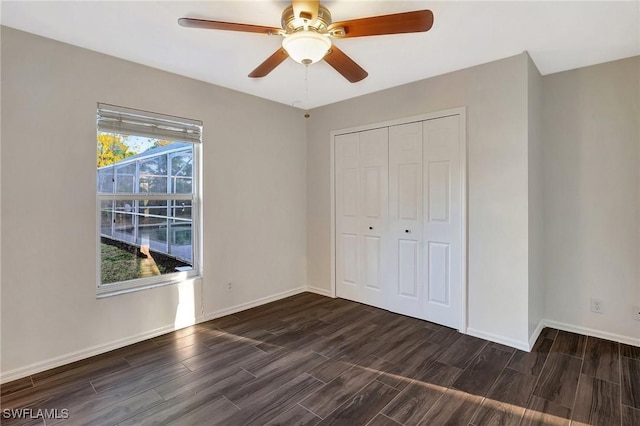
(226, 26)
(269, 65)
(306, 9)
(345, 65)
(398, 23)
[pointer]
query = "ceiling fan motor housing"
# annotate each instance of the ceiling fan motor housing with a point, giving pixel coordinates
(291, 23)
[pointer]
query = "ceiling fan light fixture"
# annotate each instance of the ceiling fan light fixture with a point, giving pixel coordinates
(306, 47)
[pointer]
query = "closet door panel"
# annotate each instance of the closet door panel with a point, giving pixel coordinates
(347, 195)
(405, 219)
(362, 205)
(374, 218)
(442, 226)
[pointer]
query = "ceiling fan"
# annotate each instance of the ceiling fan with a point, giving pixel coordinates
(307, 31)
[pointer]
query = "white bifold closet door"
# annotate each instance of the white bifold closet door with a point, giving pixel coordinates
(399, 218)
(362, 184)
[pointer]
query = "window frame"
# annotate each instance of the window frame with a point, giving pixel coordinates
(195, 198)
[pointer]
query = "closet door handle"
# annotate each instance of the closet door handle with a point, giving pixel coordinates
(371, 227)
(407, 231)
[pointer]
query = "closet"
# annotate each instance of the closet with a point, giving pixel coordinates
(399, 218)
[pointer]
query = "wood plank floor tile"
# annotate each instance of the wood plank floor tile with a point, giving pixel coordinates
(497, 413)
(339, 390)
(382, 420)
(463, 351)
(545, 413)
(413, 402)
(507, 401)
(630, 351)
(601, 360)
(532, 362)
(183, 337)
(363, 407)
(174, 408)
(217, 411)
(17, 419)
(501, 347)
(118, 412)
(75, 402)
(329, 369)
(445, 337)
(294, 339)
(139, 378)
(388, 372)
(631, 382)
(166, 355)
(597, 402)
(454, 408)
(398, 353)
(483, 371)
(413, 362)
(238, 356)
(245, 395)
(21, 413)
(265, 408)
(549, 333)
(569, 344)
(559, 379)
(31, 397)
(296, 416)
(439, 374)
(85, 372)
(15, 386)
(630, 416)
(197, 381)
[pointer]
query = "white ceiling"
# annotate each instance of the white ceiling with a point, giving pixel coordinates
(558, 35)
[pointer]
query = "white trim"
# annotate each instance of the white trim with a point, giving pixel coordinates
(535, 335)
(332, 201)
(498, 339)
(462, 113)
(592, 332)
(38, 367)
(258, 302)
(320, 291)
(399, 121)
(464, 293)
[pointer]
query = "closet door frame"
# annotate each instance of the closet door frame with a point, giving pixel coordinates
(461, 112)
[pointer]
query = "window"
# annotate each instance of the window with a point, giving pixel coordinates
(147, 199)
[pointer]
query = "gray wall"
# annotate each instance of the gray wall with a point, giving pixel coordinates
(495, 95)
(536, 199)
(254, 196)
(592, 195)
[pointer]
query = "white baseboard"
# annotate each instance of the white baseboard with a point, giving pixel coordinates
(38, 367)
(498, 339)
(592, 332)
(320, 291)
(248, 305)
(536, 334)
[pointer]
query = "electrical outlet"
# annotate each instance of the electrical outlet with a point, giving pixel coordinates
(635, 310)
(596, 306)
(229, 287)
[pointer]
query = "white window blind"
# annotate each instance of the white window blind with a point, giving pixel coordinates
(128, 121)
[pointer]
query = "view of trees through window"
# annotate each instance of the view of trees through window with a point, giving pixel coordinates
(145, 195)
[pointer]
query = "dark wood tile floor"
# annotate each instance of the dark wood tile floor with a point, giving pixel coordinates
(312, 360)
